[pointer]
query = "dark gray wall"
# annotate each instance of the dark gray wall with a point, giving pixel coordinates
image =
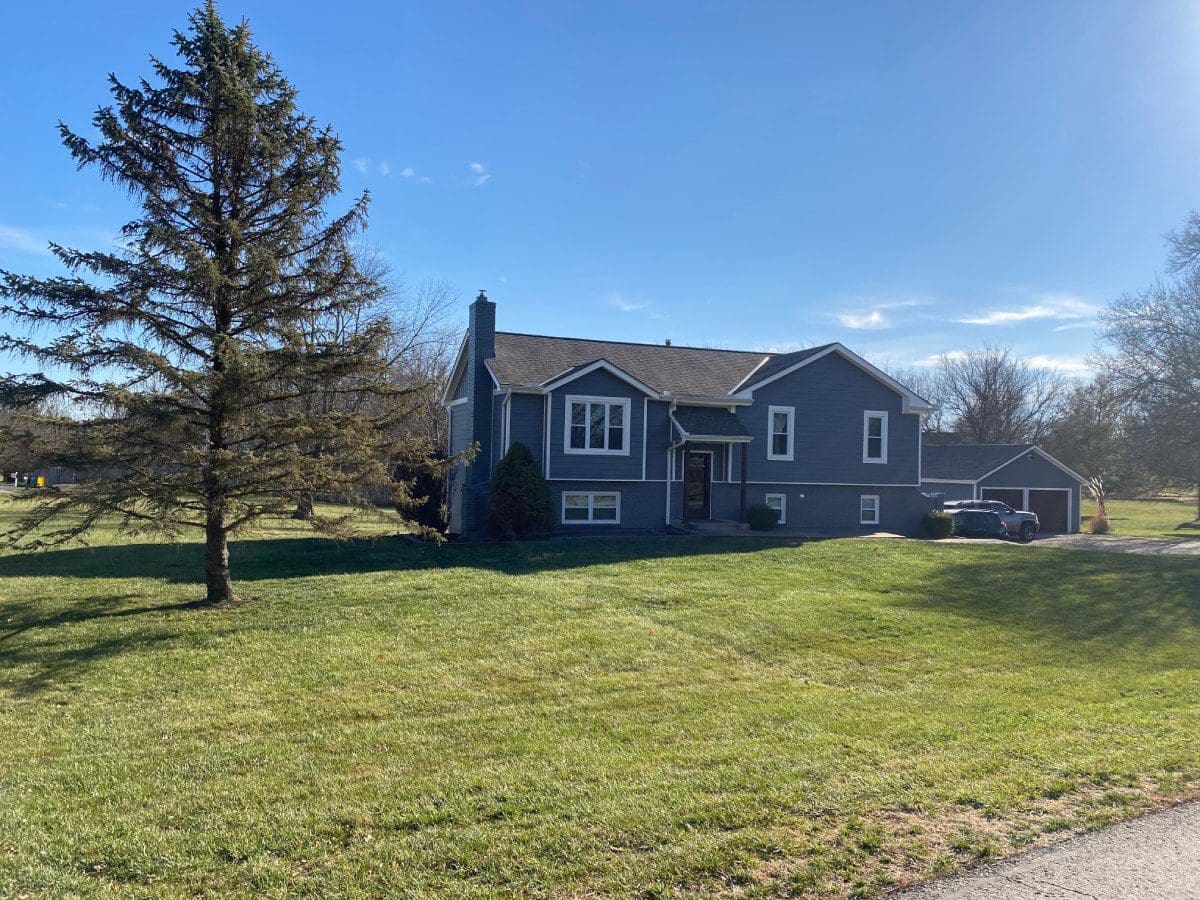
(601, 466)
(1035, 471)
(830, 396)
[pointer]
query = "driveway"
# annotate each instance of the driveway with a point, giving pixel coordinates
(1118, 543)
(1155, 856)
(1109, 543)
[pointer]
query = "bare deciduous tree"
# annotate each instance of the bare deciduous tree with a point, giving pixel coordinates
(990, 396)
(1154, 338)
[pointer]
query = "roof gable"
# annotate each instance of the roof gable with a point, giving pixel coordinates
(527, 360)
(786, 364)
(968, 462)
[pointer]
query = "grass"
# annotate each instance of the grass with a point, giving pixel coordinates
(578, 717)
(1148, 518)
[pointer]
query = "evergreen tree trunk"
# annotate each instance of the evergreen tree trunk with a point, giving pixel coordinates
(216, 561)
(304, 508)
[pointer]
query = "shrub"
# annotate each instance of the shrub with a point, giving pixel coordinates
(519, 499)
(938, 524)
(1098, 524)
(761, 517)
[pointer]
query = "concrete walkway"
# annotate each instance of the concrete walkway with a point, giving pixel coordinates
(1152, 857)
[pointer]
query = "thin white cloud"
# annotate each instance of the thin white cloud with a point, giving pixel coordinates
(872, 312)
(479, 173)
(936, 359)
(23, 241)
(627, 304)
(385, 168)
(1074, 325)
(624, 304)
(1068, 365)
(407, 172)
(870, 321)
(425, 179)
(362, 164)
(1047, 306)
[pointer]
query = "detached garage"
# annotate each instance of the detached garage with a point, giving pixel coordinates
(1024, 476)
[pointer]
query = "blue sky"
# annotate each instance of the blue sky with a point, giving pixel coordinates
(907, 178)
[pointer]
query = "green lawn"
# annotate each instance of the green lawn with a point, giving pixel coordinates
(590, 717)
(1148, 518)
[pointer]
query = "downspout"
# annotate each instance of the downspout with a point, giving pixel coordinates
(670, 458)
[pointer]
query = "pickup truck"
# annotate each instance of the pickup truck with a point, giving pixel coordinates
(1021, 524)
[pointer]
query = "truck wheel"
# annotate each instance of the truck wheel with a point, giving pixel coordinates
(1028, 532)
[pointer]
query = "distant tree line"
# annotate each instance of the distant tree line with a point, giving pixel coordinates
(1132, 427)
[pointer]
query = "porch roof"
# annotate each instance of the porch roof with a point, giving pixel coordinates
(709, 423)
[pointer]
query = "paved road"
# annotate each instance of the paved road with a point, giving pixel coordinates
(1153, 857)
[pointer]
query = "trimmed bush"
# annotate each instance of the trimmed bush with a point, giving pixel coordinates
(761, 517)
(938, 524)
(519, 499)
(1098, 524)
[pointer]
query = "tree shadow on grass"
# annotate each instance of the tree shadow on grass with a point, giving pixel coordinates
(40, 648)
(1086, 603)
(258, 560)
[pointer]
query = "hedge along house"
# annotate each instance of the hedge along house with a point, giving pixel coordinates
(1022, 475)
(641, 436)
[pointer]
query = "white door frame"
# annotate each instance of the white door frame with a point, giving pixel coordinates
(1025, 498)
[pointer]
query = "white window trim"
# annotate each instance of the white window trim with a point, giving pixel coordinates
(861, 520)
(591, 451)
(790, 411)
(590, 520)
(868, 415)
(782, 505)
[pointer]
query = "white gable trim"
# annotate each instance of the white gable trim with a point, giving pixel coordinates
(456, 372)
(737, 387)
(559, 380)
(912, 402)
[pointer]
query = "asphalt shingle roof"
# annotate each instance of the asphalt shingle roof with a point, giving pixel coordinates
(709, 421)
(967, 462)
(524, 359)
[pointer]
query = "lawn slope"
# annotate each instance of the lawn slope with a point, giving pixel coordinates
(578, 717)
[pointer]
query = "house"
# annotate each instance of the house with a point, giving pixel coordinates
(1022, 475)
(641, 436)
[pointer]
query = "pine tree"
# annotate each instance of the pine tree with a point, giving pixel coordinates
(188, 354)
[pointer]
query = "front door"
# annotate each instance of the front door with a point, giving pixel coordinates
(697, 485)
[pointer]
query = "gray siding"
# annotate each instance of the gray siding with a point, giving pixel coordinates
(949, 491)
(643, 505)
(829, 509)
(1034, 471)
(526, 415)
(597, 466)
(830, 396)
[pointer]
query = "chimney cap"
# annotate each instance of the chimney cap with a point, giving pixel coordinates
(668, 344)
(482, 294)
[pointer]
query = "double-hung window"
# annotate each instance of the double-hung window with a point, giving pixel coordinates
(778, 502)
(781, 437)
(868, 509)
(875, 436)
(591, 508)
(597, 425)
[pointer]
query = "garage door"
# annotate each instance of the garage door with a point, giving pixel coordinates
(1051, 509)
(1014, 498)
